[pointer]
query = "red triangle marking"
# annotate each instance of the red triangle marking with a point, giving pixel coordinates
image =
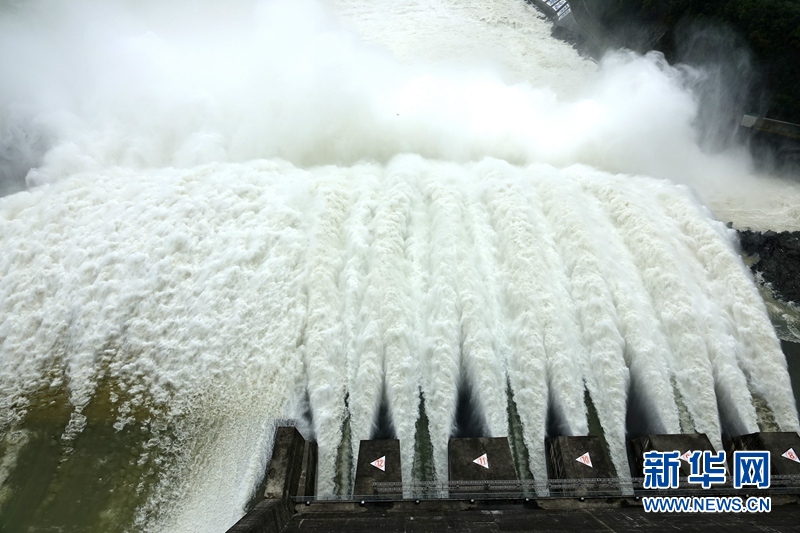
(791, 455)
(483, 460)
(380, 464)
(585, 459)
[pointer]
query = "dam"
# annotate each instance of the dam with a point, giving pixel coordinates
(416, 224)
(583, 490)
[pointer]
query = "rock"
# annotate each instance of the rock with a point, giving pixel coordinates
(778, 260)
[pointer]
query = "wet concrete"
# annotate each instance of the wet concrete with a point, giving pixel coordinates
(291, 473)
(563, 454)
(586, 518)
(665, 443)
(378, 462)
(286, 465)
(792, 352)
(497, 463)
(269, 516)
(778, 445)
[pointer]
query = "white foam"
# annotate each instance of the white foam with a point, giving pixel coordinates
(216, 294)
(603, 364)
(172, 251)
(92, 84)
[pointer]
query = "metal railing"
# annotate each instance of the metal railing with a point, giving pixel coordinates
(556, 9)
(551, 489)
(504, 489)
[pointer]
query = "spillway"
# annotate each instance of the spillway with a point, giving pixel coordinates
(171, 286)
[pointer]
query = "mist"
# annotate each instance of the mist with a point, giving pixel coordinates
(90, 85)
(724, 79)
(352, 213)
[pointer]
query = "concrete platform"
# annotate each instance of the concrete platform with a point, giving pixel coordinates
(666, 443)
(586, 518)
(292, 467)
(481, 459)
(574, 458)
(378, 462)
(291, 472)
(778, 444)
(578, 458)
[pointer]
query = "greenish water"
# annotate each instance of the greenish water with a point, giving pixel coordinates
(785, 316)
(518, 449)
(423, 468)
(94, 482)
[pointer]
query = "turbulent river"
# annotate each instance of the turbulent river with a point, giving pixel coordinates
(420, 218)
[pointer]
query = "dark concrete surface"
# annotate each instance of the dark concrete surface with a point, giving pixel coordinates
(463, 452)
(286, 465)
(790, 349)
(291, 472)
(269, 516)
(589, 519)
(307, 484)
(367, 474)
(776, 444)
(665, 443)
(563, 453)
(792, 352)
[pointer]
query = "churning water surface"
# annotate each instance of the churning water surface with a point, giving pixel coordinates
(362, 215)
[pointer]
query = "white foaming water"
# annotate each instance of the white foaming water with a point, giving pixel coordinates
(247, 212)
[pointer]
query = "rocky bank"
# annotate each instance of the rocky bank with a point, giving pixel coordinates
(777, 260)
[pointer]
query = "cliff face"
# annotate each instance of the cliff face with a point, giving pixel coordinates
(769, 29)
(778, 260)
